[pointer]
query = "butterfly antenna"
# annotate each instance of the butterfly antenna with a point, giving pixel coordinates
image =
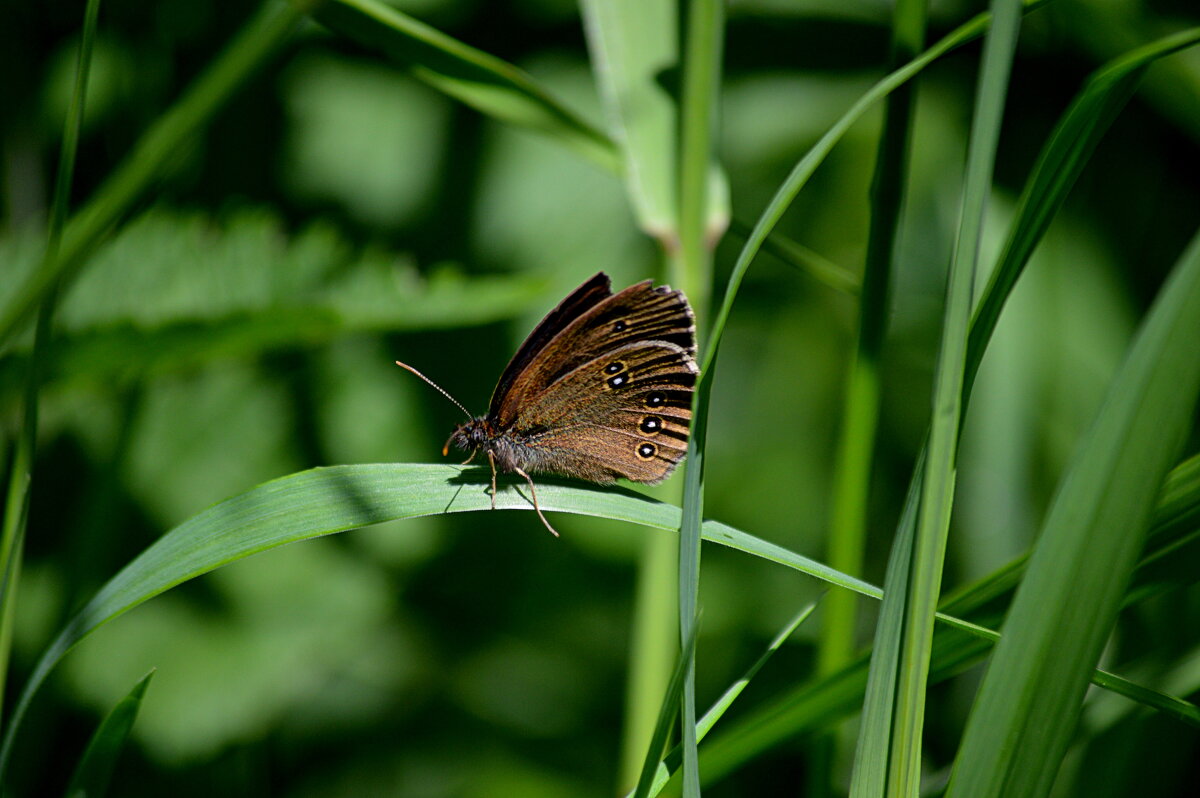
(437, 387)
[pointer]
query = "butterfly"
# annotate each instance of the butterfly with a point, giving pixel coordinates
(601, 389)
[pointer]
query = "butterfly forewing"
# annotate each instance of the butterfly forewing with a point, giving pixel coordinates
(579, 302)
(637, 314)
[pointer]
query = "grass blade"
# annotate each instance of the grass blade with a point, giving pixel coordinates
(1065, 607)
(666, 715)
(703, 215)
(486, 83)
(861, 399)
(889, 758)
(92, 775)
(1067, 151)
(16, 507)
(672, 760)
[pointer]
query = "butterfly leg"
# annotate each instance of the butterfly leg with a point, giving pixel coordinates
(492, 461)
(533, 492)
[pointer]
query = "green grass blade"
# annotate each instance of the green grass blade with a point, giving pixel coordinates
(16, 507)
(486, 83)
(671, 762)
(802, 258)
(154, 153)
(1067, 603)
(804, 168)
(666, 714)
(94, 772)
(893, 716)
(861, 400)
(1066, 152)
(699, 230)
(632, 42)
(691, 519)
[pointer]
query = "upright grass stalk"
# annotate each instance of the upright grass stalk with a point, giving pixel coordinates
(860, 415)
(889, 757)
(703, 216)
(630, 42)
(16, 507)
(860, 404)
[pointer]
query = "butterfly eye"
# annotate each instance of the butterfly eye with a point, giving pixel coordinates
(613, 368)
(646, 451)
(656, 399)
(650, 425)
(617, 381)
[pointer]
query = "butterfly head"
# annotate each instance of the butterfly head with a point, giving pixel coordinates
(470, 436)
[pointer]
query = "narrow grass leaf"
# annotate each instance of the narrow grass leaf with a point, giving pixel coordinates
(800, 257)
(861, 398)
(671, 762)
(94, 771)
(482, 81)
(804, 168)
(899, 706)
(666, 715)
(16, 508)
(1067, 151)
(1066, 605)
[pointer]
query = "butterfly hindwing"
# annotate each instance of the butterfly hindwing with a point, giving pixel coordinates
(624, 414)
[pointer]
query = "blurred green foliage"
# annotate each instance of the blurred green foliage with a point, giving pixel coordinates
(341, 214)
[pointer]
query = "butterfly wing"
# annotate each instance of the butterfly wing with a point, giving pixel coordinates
(584, 328)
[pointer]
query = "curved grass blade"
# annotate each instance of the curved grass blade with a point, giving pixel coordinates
(325, 501)
(1068, 601)
(482, 81)
(94, 772)
(1067, 151)
(804, 168)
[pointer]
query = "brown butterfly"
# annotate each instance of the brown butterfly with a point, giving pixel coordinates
(601, 389)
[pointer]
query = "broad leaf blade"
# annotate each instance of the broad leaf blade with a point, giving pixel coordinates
(634, 44)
